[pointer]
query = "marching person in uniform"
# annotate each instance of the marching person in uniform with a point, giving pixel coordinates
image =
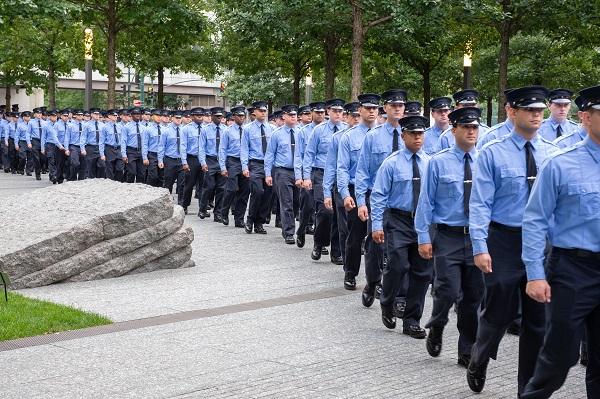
(237, 186)
(89, 145)
(462, 99)
(73, 150)
(393, 203)
(280, 160)
(506, 170)
(444, 202)
(131, 148)
(50, 145)
(150, 139)
(440, 108)
(567, 140)
(558, 124)
(565, 206)
(190, 139)
(169, 156)
(110, 146)
(253, 146)
(349, 149)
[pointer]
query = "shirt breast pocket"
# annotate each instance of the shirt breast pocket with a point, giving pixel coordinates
(283, 148)
(513, 179)
(402, 182)
(324, 144)
(449, 186)
(588, 195)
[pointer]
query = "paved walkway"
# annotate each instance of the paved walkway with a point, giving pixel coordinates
(254, 318)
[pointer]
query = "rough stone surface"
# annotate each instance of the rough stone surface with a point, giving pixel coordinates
(61, 232)
(170, 261)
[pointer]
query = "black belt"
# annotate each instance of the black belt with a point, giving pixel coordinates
(454, 229)
(114, 147)
(174, 159)
(503, 227)
(257, 161)
(192, 156)
(34, 139)
(319, 169)
(211, 157)
(152, 153)
(91, 145)
(579, 253)
(132, 148)
(234, 158)
(402, 212)
(284, 168)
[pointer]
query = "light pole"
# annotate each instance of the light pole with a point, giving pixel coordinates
(88, 42)
(467, 67)
(308, 89)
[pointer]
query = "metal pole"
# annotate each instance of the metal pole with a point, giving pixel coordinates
(88, 43)
(467, 77)
(142, 94)
(128, 87)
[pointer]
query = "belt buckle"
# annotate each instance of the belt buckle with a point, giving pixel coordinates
(412, 214)
(466, 230)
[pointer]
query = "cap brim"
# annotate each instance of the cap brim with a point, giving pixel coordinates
(444, 108)
(395, 102)
(414, 129)
(534, 105)
(469, 123)
(260, 108)
(595, 106)
(369, 105)
(561, 101)
(467, 102)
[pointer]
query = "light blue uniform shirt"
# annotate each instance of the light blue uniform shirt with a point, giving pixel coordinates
(150, 139)
(23, 132)
(49, 135)
(375, 149)
(496, 132)
(131, 132)
(190, 139)
(251, 144)
(279, 151)
(330, 174)
(550, 125)
(442, 192)
(318, 145)
(230, 144)
(447, 138)
(394, 183)
(167, 146)
(500, 189)
(74, 132)
(37, 126)
(109, 137)
(349, 149)
(60, 128)
(3, 131)
(11, 132)
(567, 192)
(432, 139)
(571, 139)
(208, 141)
(89, 133)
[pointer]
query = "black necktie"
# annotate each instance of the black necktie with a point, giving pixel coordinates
(467, 183)
(80, 128)
(263, 137)
(240, 133)
(139, 137)
(218, 139)
(416, 182)
(292, 143)
(158, 127)
(97, 134)
(40, 127)
(335, 129)
(178, 138)
(116, 134)
(531, 166)
(395, 141)
(559, 131)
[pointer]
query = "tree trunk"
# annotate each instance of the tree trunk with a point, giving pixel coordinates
(297, 78)
(7, 98)
(330, 49)
(426, 74)
(160, 96)
(505, 30)
(358, 37)
(490, 110)
(111, 52)
(51, 87)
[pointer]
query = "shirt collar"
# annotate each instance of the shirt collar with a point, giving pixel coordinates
(390, 129)
(509, 124)
(582, 133)
(555, 123)
(520, 140)
(460, 154)
(408, 153)
(593, 148)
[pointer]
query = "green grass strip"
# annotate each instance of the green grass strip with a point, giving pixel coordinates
(25, 317)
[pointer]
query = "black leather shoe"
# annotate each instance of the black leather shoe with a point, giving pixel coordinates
(349, 281)
(38, 177)
(28, 174)
(387, 317)
(248, 228)
(583, 359)
(259, 229)
(434, 341)
(324, 251)
(463, 360)
(337, 260)
(476, 376)
(278, 224)
(225, 221)
(310, 230)
(203, 214)
(185, 210)
(368, 295)
(378, 291)
(414, 331)
(316, 253)
(300, 239)
(289, 240)
(241, 225)
(218, 219)
(210, 205)
(399, 308)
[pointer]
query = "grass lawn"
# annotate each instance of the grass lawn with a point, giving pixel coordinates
(26, 317)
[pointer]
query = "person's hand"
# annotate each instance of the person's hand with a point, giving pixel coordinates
(349, 203)
(104, 159)
(186, 167)
(539, 290)
(224, 173)
(29, 145)
(43, 151)
(484, 262)
(205, 168)
(125, 160)
(67, 152)
(363, 213)
(83, 153)
(307, 184)
(269, 181)
(328, 203)
(246, 173)
(378, 236)
(146, 162)
(298, 183)
(426, 251)
(161, 165)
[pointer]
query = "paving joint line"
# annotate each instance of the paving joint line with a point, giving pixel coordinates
(171, 318)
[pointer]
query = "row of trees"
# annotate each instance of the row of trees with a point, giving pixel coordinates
(267, 49)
